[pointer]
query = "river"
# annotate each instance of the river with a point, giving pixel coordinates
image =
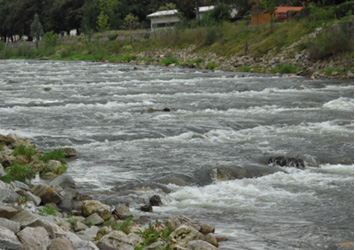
(215, 119)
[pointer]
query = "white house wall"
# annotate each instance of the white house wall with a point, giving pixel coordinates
(168, 20)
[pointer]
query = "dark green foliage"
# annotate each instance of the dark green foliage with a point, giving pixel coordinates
(212, 36)
(124, 227)
(344, 9)
(48, 210)
(56, 154)
(220, 13)
(50, 39)
(18, 172)
(212, 65)
(28, 152)
(284, 69)
(151, 235)
(168, 61)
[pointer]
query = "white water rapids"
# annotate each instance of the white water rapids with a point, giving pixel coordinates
(215, 119)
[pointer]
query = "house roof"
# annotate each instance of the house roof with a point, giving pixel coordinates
(163, 13)
(205, 9)
(285, 9)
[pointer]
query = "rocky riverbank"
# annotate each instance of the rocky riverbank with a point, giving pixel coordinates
(50, 214)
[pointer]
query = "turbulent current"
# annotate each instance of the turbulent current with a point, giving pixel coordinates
(104, 111)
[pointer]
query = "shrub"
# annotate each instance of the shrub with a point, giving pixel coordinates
(211, 36)
(244, 68)
(112, 37)
(56, 154)
(284, 68)
(212, 65)
(50, 39)
(28, 152)
(151, 235)
(339, 70)
(126, 58)
(344, 9)
(47, 210)
(168, 61)
(18, 172)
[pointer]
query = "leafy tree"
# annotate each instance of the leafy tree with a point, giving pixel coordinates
(102, 22)
(168, 6)
(256, 9)
(36, 29)
(50, 39)
(270, 8)
(220, 13)
(131, 22)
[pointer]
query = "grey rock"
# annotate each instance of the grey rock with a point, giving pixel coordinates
(159, 245)
(19, 184)
(117, 239)
(78, 226)
(94, 219)
(79, 244)
(206, 228)
(25, 218)
(8, 240)
(89, 233)
(67, 202)
(52, 229)
(123, 212)
(182, 235)
(69, 152)
(34, 238)
(9, 196)
(9, 224)
(2, 172)
(7, 212)
(61, 244)
(46, 193)
(200, 245)
(63, 180)
(29, 196)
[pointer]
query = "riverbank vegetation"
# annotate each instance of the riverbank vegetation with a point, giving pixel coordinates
(318, 32)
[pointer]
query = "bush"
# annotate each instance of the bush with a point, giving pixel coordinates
(344, 9)
(211, 36)
(212, 65)
(112, 37)
(47, 210)
(50, 39)
(244, 68)
(56, 154)
(18, 172)
(284, 69)
(28, 152)
(168, 61)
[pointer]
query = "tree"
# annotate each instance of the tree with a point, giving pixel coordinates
(270, 8)
(131, 21)
(256, 9)
(168, 6)
(102, 22)
(36, 29)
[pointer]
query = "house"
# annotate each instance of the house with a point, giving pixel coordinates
(281, 14)
(168, 18)
(163, 19)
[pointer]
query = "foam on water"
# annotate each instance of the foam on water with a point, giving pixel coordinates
(342, 103)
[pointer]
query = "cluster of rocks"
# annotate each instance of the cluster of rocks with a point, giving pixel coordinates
(51, 214)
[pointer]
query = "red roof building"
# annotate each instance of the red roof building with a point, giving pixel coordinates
(281, 14)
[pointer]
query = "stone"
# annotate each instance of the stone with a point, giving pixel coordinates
(29, 196)
(78, 226)
(123, 212)
(9, 196)
(183, 220)
(159, 245)
(53, 165)
(25, 218)
(49, 176)
(206, 228)
(211, 238)
(52, 229)
(8, 240)
(63, 181)
(9, 224)
(103, 231)
(79, 244)
(146, 208)
(200, 245)
(92, 206)
(182, 235)
(19, 184)
(155, 200)
(69, 152)
(94, 219)
(67, 202)
(287, 161)
(46, 193)
(34, 238)
(116, 239)
(61, 244)
(7, 212)
(90, 233)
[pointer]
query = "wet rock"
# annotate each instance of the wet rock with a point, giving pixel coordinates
(211, 238)
(8, 240)
(123, 212)
(155, 200)
(183, 220)
(206, 228)
(94, 219)
(7, 212)
(146, 208)
(287, 161)
(200, 245)
(34, 238)
(69, 152)
(151, 110)
(64, 181)
(53, 165)
(61, 244)
(46, 193)
(92, 206)
(225, 173)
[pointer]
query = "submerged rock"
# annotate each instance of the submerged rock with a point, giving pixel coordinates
(287, 161)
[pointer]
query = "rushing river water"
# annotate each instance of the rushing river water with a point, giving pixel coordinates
(215, 119)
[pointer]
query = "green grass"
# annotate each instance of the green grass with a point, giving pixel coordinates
(168, 61)
(338, 70)
(244, 68)
(151, 235)
(285, 69)
(56, 154)
(47, 210)
(212, 65)
(22, 149)
(18, 172)
(124, 227)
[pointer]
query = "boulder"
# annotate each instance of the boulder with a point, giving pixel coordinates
(123, 212)
(94, 219)
(183, 220)
(61, 244)
(19, 184)
(287, 161)
(182, 235)
(155, 200)
(2, 172)
(34, 238)
(7, 212)
(146, 208)
(52, 229)
(159, 245)
(9, 224)
(78, 226)
(211, 238)
(69, 152)
(200, 245)
(89, 233)
(117, 239)
(49, 176)
(46, 193)
(206, 228)
(63, 181)
(92, 206)
(53, 165)
(79, 244)
(8, 240)
(29, 196)
(67, 202)
(25, 218)
(9, 196)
